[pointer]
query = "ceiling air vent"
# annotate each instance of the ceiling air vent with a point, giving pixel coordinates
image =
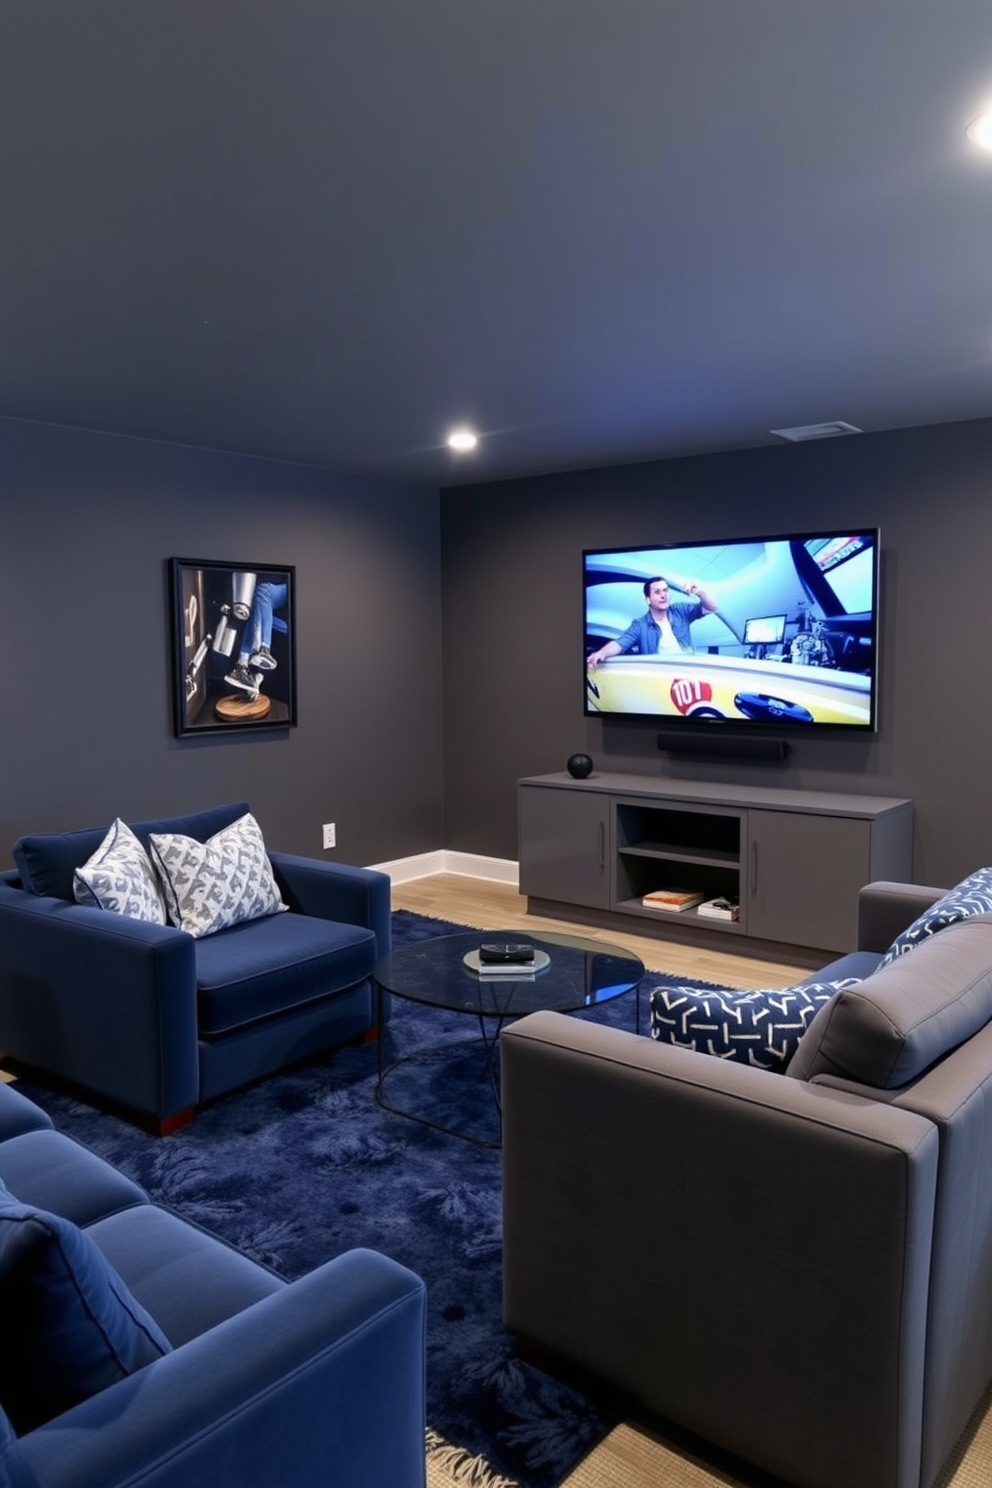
(815, 431)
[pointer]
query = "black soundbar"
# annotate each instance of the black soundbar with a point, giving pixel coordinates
(714, 744)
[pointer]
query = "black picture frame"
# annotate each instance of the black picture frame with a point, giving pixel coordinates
(233, 646)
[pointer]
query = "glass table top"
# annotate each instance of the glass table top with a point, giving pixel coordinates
(579, 973)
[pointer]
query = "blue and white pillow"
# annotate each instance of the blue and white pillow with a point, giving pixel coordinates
(972, 896)
(120, 878)
(214, 884)
(760, 1028)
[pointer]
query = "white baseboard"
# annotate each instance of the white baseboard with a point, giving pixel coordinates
(469, 865)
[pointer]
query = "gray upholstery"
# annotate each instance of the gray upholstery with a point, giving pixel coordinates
(885, 909)
(798, 1271)
(891, 1028)
(956, 1095)
(744, 1254)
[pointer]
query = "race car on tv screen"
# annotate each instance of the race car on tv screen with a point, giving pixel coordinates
(711, 687)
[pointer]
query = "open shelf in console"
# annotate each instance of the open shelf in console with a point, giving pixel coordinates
(662, 847)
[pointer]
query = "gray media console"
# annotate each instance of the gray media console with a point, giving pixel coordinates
(794, 859)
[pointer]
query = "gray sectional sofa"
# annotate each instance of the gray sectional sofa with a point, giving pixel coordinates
(795, 1266)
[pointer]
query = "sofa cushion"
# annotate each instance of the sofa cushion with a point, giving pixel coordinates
(271, 965)
(212, 885)
(972, 896)
(151, 1247)
(49, 1170)
(120, 878)
(852, 967)
(46, 861)
(12, 1474)
(889, 1029)
(760, 1028)
(18, 1114)
(71, 1327)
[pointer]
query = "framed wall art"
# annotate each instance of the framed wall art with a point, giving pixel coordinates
(234, 646)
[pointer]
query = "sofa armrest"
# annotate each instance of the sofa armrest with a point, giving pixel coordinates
(886, 909)
(103, 1001)
(336, 891)
(320, 1383)
(747, 1259)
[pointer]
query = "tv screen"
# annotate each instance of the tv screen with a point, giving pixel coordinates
(761, 632)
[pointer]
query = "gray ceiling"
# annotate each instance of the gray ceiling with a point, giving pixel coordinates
(599, 230)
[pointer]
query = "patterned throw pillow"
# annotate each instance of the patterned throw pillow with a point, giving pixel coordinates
(762, 1028)
(120, 878)
(211, 885)
(972, 896)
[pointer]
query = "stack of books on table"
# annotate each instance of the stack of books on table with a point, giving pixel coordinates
(510, 960)
(720, 909)
(674, 901)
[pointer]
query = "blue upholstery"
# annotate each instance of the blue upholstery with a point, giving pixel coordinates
(189, 1280)
(18, 1116)
(43, 1169)
(315, 1382)
(11, 1473)
(270, 965)
(46, 861)
(71, 1326)
(147, 1017)
(229, 1060)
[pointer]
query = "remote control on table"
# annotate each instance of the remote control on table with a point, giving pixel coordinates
(508, 952)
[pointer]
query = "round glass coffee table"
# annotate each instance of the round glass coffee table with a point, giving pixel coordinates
(571, 973)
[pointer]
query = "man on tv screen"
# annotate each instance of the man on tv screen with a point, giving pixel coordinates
(665, 625)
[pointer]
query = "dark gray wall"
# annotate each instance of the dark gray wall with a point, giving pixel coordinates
(89, 522)
(513, 670)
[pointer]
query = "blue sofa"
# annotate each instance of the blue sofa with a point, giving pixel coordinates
(155, 1021)
(252, 1380)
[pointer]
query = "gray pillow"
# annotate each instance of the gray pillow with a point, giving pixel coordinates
(906, 1016)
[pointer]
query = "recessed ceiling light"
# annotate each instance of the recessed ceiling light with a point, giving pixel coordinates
(979, 131)
(462, 439)
(802, 432)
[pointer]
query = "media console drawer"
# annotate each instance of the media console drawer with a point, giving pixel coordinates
(794, 860)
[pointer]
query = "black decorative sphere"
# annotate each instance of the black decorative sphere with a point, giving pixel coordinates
(579, 766)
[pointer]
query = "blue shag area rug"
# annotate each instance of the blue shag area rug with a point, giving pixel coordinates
(306, 1165)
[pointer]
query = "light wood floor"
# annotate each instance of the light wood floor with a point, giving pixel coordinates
(632, 1456)
(495, 906)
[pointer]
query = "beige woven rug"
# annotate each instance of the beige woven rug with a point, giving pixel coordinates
(634, 1458)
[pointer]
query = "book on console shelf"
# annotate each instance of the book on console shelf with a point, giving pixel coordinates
(674, 901)
(720, 909)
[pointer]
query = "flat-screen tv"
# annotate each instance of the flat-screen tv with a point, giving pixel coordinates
(764, 634)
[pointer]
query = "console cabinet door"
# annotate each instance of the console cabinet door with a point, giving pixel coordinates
(563, 838)
(803, 876)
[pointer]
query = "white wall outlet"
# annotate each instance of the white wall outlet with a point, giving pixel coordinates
(330, 836)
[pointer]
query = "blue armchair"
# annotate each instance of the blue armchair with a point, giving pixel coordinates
(155, 1021)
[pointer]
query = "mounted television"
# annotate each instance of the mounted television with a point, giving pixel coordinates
(766, 634)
